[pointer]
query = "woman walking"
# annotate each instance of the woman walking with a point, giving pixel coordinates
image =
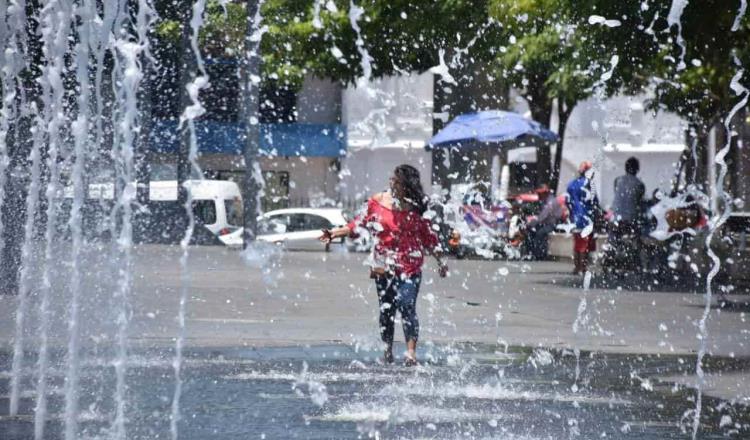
(403, 236)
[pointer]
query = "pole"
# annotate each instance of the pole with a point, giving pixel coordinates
(250, 119)
(187, 72)
(143, 156)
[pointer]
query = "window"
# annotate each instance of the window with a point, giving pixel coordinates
(297, 223)
(313, 222)
(163, 171)
(235, 215)
(277, 224)
(278, 104)
(307, 222)
(204, 211)
(276, 190)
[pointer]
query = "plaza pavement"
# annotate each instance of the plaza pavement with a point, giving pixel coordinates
(315, 297)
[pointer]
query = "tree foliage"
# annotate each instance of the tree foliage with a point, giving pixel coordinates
(696, 84)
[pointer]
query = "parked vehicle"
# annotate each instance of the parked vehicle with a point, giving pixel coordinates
(478, 226)
(299, 228)
(217, 204)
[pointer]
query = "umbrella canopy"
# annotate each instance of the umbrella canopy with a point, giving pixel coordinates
(491, 126)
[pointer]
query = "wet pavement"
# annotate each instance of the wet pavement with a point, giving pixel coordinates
(288, 349)
(344, 392)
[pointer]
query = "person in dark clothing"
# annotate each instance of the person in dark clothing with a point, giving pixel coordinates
(544, 223)
(625, 229)
(629, 191)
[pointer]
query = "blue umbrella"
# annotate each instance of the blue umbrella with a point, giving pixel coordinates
(491, 126)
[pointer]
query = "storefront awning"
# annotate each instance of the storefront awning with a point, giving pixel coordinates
(310, 140)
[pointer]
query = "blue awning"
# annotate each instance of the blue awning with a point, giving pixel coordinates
(311, 140)
(492, 126)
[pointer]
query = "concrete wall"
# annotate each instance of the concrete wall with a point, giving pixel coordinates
(389, 110)
(310, 178)
(388, 122)
(367, 170)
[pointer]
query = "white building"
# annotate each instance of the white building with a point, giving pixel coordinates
(611, 131)
(388, 122)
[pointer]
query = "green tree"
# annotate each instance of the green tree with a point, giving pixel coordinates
(696, 84)
(399, 35)
(561, 51)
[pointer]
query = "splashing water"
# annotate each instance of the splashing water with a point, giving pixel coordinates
(26, 265)
(442, 69)
(740, 91)
(80, 135)
(740, 15)
(58, 46)
(674, 19)
(193, 111)
(54, 35)
(355, 13)
(317, 24)
(127, 70)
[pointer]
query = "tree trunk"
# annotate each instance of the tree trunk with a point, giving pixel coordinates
(187, 74)
(440, 117)
(740, 162)
(564, 114)
(251, 68)
(696, 169)
(542, 114)
(141, 221)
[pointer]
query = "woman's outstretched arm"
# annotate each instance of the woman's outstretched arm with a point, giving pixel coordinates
(331, 234)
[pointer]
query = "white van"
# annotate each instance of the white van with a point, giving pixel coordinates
(217, 204)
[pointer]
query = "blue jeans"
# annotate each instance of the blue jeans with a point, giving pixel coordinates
(398, 293)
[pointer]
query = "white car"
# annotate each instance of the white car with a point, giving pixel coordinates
(299, 228)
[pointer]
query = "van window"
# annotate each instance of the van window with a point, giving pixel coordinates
(234, 211)
(204, 211)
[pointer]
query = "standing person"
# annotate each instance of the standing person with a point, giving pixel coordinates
(628, 202)
(402, 238)
(582, 205)
(544, 223)
(627, 223)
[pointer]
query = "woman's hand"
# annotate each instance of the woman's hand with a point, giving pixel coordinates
(330, 234)
(327, 236)
(443, 270)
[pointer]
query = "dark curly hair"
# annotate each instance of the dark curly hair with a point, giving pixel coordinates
(408, 176)
(632, 166)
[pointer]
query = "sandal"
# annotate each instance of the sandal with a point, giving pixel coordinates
(410, 362)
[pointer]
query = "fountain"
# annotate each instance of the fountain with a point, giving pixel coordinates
(114, 337)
